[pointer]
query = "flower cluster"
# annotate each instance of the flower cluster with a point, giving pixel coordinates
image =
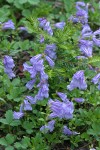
(45, 25)
(88, 38)
(8, 66)
(37, 69)
(81, 14)
(61, 109)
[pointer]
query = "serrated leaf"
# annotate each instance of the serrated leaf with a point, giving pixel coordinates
(16, 82)
(26, 142)
(9, 148)
(9, 116)
(15, 123)
(17, 145)
(27, 125)
(9, 138)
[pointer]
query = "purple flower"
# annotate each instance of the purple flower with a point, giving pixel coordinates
(99, 86)
(30, 84)
(45, 25)
(67, 131)
(79, 5)
(60, 25)
(51, 51)
(48, 28)
(31, 99)
(50, 61)
(74, 19)
(96, 79)
(79, 100)
(44, 129)
(48, 127)
(30, 69)
(8, 66)
(8, 25)
(86, 47)
(20, 114)
(95, 39)
(86, 31)
(17, 115)
(42, 22)
(37, 63)
(43, 90)
(22, 107)
(43, 76)
(9, 72)
(82, 12)
(61, 109)
(27, 105)
(8, 62)
(62, 96)
(41, 39)
(78, 81)
(35, 59)
(81, 57)
(37, 66)
(51, 125)
(23, 28)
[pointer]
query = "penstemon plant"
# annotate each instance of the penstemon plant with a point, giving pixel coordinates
(55, 98)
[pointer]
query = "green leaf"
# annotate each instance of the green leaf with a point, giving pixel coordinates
(17, 4)
(10, 1)
(10, 139)
(34, 2)
(29, 131)
(3, 142)
(22, 1)
(9, 148)
(4, 121)
(26, 13)
(9, 116)
(27, 125)
(1, 99)
(95, 61)
(14, 93)
(25, 142)
(3, 15)
(17, 145)
(16, 82)
(15, 123)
